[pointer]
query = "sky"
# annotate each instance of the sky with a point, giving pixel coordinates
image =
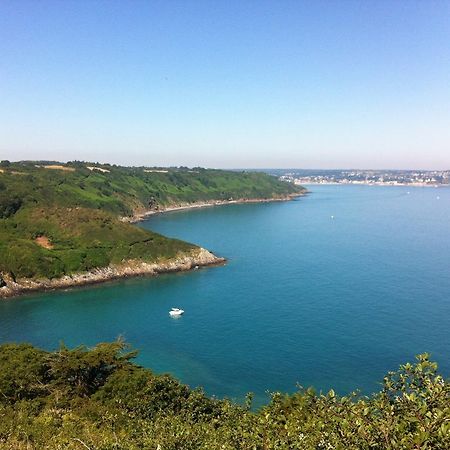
(227, 84)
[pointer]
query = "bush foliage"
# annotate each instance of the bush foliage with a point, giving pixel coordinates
(98, 399)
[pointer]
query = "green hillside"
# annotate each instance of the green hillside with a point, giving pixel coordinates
(126, 190)
(78, 239)
(59, 219)
(97, 399)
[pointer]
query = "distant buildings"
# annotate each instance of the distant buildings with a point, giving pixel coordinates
(375, 177)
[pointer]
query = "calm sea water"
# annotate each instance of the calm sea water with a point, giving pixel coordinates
(304, 298)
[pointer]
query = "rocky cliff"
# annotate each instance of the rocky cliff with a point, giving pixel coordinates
(193, 259)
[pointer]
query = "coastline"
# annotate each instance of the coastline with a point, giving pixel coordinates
(139, 217)
(334, 183)
(196, 258)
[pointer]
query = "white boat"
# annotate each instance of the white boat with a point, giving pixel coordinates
(176, 312)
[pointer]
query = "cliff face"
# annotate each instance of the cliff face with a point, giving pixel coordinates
(195, 258)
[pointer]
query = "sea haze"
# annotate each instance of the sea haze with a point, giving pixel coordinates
(331, 290)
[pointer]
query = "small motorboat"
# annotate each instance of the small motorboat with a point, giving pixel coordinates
(176, 312)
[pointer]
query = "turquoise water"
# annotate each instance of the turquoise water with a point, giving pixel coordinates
(304, 298)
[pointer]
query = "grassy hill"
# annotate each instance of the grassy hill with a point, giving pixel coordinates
(60, 219)
(126, 190)
(98, 399)
(51, 242)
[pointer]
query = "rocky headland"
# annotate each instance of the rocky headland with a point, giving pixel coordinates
(194, 259)
(71, 224)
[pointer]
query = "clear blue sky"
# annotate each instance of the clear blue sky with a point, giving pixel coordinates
(311, 84)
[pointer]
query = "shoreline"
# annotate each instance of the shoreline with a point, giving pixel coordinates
(139, 217)
(198, 257)
(193, 260)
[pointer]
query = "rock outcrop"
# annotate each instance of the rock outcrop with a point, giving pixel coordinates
(196, 258)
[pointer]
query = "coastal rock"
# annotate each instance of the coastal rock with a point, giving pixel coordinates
(184, 261)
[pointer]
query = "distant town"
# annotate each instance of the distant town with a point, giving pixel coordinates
(374, 177)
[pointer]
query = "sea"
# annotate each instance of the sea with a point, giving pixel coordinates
(331, 290)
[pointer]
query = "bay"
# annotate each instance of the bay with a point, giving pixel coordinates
(331, 290)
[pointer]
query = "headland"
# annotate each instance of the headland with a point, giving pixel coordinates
(71, 224)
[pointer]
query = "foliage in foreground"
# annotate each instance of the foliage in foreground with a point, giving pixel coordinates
(97, 399)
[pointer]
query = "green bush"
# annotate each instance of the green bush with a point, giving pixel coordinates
(9, 205)
(97, 398)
